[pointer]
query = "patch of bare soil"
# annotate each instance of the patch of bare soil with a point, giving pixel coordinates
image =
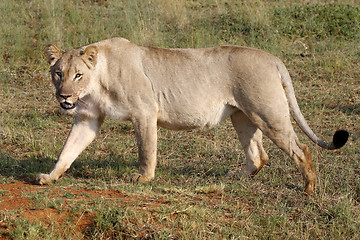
(24, 201)
(13, 198)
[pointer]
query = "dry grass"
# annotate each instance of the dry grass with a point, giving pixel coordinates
(191, 198)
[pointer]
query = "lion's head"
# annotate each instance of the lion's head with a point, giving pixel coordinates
(71, 73)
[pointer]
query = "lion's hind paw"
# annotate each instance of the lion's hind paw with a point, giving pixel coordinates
(137, 177)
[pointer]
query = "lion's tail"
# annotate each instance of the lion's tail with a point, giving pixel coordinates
(340, 137)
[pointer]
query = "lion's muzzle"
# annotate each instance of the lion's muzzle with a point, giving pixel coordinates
(66, 103)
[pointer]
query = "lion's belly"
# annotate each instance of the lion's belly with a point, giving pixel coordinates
(195, 117)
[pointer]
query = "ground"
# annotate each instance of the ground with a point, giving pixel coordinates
(191, 196)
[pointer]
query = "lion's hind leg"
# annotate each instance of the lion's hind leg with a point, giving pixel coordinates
(283, 135)
(250, 137)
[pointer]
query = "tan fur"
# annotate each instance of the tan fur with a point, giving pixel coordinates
(177, 89)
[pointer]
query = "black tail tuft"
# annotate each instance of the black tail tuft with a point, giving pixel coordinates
(340, 138)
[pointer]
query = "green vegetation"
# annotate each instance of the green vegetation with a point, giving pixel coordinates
(191, 197)
(318, 20)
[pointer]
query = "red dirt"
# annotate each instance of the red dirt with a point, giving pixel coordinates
(19, 199)
(12, 198)
(23, 201)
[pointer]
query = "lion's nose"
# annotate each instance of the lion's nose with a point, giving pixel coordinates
(65, 96)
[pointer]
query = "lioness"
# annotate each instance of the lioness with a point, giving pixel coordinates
(180, 89)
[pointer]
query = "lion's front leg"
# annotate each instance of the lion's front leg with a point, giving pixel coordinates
(81, 135)
(146, 137)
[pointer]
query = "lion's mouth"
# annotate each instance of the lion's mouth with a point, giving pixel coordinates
(67, 106)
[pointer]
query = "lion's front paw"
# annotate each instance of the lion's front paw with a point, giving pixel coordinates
(43, 179)
(137, 177)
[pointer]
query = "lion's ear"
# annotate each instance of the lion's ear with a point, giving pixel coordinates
(90, 55)
(52, 54)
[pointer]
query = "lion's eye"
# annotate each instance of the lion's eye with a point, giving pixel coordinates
(78, 76)
(58, 74)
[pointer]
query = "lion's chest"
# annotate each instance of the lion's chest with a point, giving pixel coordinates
(117, 112)
(94, 107)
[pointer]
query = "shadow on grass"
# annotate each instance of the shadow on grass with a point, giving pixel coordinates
(193, 170)
(101, 168)
(27, 169)
(23, 170)
(350, 109)
(104, 168)
(116, 167)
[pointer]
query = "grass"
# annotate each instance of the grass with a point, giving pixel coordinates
(191, 197)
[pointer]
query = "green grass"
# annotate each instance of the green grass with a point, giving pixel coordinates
(191, 197)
